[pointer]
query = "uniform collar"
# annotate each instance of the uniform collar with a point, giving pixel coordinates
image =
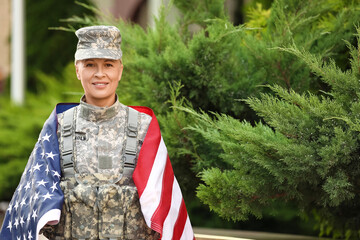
(95, 113)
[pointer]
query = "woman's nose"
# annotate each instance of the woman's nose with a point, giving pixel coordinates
(99, 72)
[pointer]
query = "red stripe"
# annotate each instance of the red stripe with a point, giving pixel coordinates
(148, 152)
(145, 110)
(160, 214)
(180, 222)
(142, 172)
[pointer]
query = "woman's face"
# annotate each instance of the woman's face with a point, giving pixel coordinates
(99, 78)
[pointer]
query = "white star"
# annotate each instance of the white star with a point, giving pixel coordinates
(37, 167)
(50, 155)
(16, 205)
(47, 169)
(30, 237)
(22, 202)
(46, 137)
(22, 221)
(9, 208)
(56, 174)
(16, 223)
(9, 226)
(34, 215)
(18, 238)
(42, 182)
(27, 186)
(42, 154)
(30, 170)
(47, 196)
(24, 237)
(53, 187)
(36, 196)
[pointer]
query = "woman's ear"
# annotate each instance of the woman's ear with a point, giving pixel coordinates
(121, 70)
(77, 69)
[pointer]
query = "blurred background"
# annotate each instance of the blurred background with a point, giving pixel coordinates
(189, 58)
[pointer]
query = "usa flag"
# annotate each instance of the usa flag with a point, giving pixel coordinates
(160, 196)
(38, 199)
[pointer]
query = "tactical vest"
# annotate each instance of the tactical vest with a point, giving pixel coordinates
(100, 205)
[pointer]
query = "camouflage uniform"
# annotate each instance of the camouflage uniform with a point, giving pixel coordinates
(101, 203)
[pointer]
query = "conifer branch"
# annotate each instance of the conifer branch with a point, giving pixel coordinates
(284, 75)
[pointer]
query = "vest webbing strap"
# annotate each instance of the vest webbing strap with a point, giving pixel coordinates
(67, 133)
(131, 142)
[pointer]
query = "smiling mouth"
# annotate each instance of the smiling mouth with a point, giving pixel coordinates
(100, 84)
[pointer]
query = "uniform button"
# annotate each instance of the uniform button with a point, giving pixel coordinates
(112, 225)
(82, 227)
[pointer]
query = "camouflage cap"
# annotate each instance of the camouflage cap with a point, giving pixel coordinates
(98, 42)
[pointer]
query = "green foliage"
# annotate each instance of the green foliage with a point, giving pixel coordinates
(48, 50)
(307, 153)
(197, 12)
(257, 16)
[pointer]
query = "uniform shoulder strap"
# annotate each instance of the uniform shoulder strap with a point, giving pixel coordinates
(131, 142)
(129, 156)
(67, 133)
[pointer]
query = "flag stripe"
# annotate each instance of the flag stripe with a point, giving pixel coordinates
(51, 216)
(170, 220)
(147, 156)
(150, 199)
(188, 232)
(162, 210)
(180, 222)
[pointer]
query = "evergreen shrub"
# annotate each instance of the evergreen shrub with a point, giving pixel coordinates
(304, 151)
(47, 50)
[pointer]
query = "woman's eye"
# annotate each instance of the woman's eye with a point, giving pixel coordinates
(109, 65)
(89, 65)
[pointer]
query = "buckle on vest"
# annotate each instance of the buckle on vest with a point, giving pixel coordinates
(129, 160)
(68, 161)
(132, 130)
(67, 130)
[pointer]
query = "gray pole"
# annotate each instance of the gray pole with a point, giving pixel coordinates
(153, 11)
(17, 52)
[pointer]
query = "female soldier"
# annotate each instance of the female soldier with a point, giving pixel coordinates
(99, 142)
